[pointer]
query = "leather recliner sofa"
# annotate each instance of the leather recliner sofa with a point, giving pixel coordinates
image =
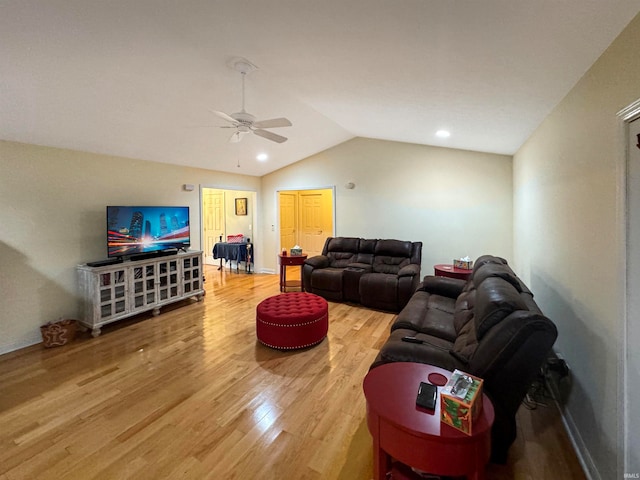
(488, 326)
(380, 274)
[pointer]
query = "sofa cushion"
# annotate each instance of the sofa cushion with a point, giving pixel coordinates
(328, 279)
(367, 246)
(434, 350)
(429, 314)
(342, 251)
(502, 271)
(391, 256)
(466, 343)
(391, 265)
(379, 290)
(340, 259)
(343, 244)
(463, 311)
(449, 287)
(484, 259)
(495, 299)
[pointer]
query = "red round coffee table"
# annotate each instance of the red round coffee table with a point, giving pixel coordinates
(414, 436)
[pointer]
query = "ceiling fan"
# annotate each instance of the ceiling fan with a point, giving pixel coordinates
(244, 122)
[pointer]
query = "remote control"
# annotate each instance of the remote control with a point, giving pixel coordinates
(412, 340)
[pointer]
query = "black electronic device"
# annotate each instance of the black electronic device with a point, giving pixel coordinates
(104, 263)
(411, 340)
(147, 230)
(427, 395)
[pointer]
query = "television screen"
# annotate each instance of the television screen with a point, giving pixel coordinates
(136, 230)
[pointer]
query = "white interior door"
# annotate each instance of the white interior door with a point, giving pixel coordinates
(213, 219)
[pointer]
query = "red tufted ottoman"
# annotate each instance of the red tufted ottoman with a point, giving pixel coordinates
(292, 320)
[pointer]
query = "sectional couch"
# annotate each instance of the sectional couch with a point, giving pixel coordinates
(380, 274)
(488, 326)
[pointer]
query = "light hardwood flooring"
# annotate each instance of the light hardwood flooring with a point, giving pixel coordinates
(191, 394)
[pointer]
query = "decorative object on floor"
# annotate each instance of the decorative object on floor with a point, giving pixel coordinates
(56, 334)
(292, 320)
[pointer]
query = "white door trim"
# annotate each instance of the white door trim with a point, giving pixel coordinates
(625, 117)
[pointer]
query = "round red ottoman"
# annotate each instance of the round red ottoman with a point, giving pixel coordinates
(292, 320)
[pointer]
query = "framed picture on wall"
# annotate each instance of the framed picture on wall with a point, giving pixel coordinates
(241, 206)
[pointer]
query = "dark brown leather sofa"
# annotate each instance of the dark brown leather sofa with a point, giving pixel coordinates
(380, 274)
(488, 326)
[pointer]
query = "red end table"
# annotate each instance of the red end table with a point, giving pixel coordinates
(415, 436)
(447, 270)
(291, 261)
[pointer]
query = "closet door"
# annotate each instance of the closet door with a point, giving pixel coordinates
(316, 219)
(288, 219)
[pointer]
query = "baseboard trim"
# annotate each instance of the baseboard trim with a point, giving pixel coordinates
(582, 452)
(24, 343)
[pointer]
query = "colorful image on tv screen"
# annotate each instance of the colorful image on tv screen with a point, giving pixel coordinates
(135, 230)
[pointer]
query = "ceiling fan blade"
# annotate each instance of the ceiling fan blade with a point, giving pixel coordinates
(272, 123)
(270, 136)
(224, 116)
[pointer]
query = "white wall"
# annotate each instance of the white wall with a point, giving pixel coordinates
(456, 202)
(52, 217)
(567, 242)
(236, 224)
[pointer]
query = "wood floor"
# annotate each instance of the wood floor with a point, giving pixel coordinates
(191, 394)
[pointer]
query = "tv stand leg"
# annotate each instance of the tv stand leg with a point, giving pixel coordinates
(155, 312)
(95, 332)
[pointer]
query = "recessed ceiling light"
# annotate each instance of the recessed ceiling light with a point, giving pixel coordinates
(443, 133)
(262, 157)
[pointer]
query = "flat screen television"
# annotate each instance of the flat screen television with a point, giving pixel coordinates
(140, 230)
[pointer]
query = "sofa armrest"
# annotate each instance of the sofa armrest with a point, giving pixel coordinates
(410, 270)
(318, 261)
(445, 286)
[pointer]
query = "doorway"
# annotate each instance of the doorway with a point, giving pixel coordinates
(306, 218)
(226, 212)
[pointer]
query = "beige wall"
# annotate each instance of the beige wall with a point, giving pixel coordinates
(567, 241)
(456, 202)
(52, 217)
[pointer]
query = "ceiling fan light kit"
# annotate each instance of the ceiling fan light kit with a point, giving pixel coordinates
(244, 122)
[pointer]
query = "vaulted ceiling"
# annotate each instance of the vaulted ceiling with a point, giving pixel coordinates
(140, 78)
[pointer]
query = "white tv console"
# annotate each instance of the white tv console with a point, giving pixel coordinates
(117, 291)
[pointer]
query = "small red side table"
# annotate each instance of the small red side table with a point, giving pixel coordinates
(446, 270)
(291, 261)
(416, 437)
